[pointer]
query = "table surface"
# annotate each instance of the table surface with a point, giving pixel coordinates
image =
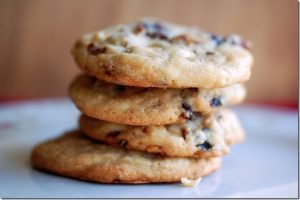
(265, 165)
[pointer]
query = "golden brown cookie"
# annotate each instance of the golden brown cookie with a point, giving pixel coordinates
(200, 137)
(76, 156)
(153, 53)
(148, 106)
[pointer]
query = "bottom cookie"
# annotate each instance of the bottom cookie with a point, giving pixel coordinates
(76, 156)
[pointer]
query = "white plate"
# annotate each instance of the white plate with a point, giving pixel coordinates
(266, 165)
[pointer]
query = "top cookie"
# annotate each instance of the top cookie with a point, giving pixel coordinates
(152, 53)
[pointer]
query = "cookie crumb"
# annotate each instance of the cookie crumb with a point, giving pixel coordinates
(190, 182)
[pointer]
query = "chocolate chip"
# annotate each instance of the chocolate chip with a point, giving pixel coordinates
(186, 107)
(120, 88)
(209, 53)
(204, 146)
(215, 102)
(217, 39)
(188, 114)
(122, 143)
(154, 30)
(145, 129)
(157, 35)
(113, 134)
(92, 49)
(158, 27)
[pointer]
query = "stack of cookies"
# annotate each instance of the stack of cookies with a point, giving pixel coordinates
(152, 100)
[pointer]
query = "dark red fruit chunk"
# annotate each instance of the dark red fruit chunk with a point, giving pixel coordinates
(139, 28)
(157, 35)
(113, 134)
(188, 114)
(184, 132)
(92, 49)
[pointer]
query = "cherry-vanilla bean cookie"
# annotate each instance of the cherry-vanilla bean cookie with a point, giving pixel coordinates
(148, 106)
(202, 136)
(76, 156)
(153, 53)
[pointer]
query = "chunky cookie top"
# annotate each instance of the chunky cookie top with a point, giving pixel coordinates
(152, 53)
(150, 37)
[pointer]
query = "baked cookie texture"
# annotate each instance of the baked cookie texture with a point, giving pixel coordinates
(153, 53)
(202, 136)
(152, 98)
(148, 106)
(75, 156)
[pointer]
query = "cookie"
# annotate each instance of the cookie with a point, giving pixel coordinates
(76, 156)
(148, 106)
(153, 53)
(201, 137)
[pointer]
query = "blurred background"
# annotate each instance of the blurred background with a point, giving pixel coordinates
(36, 37)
